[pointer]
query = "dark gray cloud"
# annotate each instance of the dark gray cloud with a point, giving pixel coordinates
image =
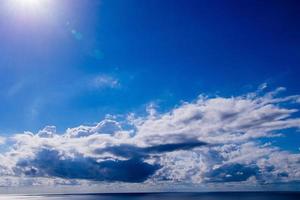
(50, 163)
(131, 151)
(235, 172)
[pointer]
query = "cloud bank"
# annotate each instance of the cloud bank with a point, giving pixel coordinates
(209, 140)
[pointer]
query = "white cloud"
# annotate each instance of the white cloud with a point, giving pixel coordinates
(2, 140)
(104, 81)
(209, 140)
(262, 86)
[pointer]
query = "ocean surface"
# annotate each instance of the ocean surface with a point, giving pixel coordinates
(164, 196)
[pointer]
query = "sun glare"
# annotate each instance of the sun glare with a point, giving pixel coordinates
(27, 4)
(29, 9)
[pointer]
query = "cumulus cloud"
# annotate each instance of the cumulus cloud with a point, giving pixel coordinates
(209, 140)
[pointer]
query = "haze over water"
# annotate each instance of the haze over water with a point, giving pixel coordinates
(166, 196)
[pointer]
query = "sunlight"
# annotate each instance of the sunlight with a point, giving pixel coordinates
(28, 8)
(27, 4)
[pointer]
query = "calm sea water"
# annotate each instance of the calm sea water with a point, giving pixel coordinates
(166, 196)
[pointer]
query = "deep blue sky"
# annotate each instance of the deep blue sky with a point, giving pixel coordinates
(155, 51)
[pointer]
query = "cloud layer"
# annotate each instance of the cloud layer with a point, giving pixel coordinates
(209, 140)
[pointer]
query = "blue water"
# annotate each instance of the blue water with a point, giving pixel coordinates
(165, 196)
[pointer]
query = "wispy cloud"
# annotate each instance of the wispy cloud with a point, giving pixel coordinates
(104, 81)
(2, 140)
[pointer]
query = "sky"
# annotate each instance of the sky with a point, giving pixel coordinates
(149, 95)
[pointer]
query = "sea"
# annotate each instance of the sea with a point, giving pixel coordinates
(163, 196)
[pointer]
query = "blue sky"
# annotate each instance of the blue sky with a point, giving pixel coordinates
(156, 50)
(69, 63)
